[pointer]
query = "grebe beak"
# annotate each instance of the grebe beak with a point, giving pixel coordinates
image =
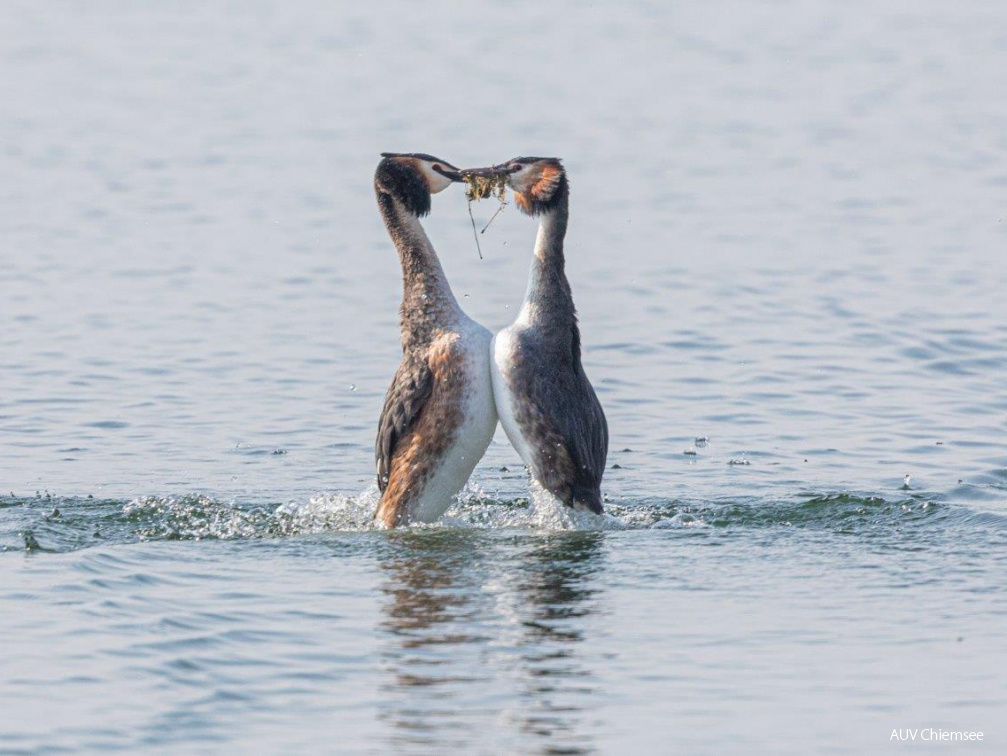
(449, 173)
(491, 171)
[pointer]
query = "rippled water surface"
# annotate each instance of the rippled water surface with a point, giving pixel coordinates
(788, 247)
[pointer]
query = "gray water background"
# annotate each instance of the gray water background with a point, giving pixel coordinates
(788, 235)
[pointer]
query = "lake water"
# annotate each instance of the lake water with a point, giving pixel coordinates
(788, 236)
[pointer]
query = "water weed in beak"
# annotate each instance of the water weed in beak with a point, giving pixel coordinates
(480, 184)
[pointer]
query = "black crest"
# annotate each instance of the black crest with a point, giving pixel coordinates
(529, 160)
(400, 179)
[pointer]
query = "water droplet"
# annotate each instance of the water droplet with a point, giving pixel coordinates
(30, 544)
(353, 387)
(466, 296)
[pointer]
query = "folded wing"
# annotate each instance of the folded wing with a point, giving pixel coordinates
(410, 390)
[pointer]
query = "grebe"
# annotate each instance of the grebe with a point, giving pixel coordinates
(439, 415)
(545, 401)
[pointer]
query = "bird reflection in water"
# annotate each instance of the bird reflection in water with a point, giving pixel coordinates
(557, 584)
(432, 607)
(482, 634)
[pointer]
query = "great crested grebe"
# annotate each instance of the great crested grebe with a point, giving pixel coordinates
(439, 415)
(545, 401)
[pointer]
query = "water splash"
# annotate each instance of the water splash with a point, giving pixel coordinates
(83, 523)
(327, 512)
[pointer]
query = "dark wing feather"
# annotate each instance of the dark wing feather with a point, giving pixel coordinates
(410, 390)
(567, 405)
(580, 421)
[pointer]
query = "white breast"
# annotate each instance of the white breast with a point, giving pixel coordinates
(473, 436)
(503, 358)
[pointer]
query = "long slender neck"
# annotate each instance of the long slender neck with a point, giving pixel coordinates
(428, 303)
(548, 299)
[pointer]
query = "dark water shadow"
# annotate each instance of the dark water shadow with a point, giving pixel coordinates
(481, 640)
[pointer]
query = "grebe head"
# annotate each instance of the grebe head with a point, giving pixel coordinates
(539, 183)
(412, 177)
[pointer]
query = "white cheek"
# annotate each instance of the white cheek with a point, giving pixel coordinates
(435, 181)
(520, 180)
